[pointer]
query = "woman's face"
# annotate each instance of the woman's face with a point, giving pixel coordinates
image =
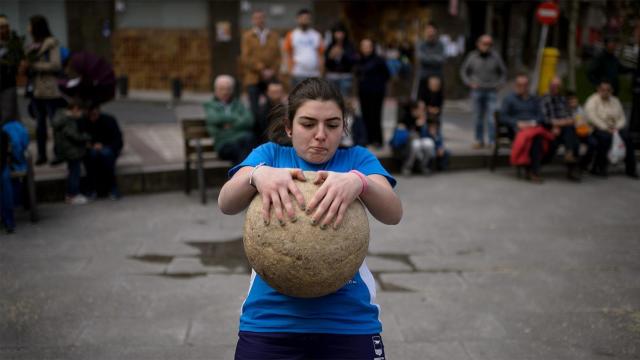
(316, 130)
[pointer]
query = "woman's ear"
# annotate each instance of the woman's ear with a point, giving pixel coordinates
(287, 130)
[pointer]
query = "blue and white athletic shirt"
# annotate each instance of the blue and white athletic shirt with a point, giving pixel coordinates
(350, 310)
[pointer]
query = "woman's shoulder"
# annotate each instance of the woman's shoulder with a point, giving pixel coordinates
(49, 43)
(274, 149)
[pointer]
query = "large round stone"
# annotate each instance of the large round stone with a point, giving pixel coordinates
(300, 259)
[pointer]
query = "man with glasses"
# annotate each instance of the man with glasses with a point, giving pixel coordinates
(604, 111)
(483, 71)
(523, 113)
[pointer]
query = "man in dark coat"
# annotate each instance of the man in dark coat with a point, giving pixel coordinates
(104, 148)
(607, 67)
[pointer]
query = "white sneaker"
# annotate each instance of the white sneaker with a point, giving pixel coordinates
(77, 200)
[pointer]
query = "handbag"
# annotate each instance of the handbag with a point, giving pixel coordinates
(617, 150)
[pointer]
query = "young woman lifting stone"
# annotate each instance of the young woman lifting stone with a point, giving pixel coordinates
(343, 324)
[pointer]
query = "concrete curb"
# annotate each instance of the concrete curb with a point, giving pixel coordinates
(171, 177)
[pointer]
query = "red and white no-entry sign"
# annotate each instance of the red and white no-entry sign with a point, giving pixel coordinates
(547, 13)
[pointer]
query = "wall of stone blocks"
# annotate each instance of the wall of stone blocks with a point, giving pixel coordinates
(152, 57)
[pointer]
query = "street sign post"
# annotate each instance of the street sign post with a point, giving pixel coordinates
(547, 14)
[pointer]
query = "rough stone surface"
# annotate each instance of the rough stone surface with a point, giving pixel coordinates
(303, 260)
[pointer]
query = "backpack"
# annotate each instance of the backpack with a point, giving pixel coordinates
(18, 143)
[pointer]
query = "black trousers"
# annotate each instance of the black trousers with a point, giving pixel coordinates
(237, 150)
(567, 138)
(604, 140)
(371, 107)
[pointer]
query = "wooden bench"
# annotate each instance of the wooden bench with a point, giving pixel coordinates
(27, 179)
(198, 147)
(503, 139)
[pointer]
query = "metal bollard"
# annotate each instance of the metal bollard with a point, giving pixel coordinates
(176, 89)
(123, 85)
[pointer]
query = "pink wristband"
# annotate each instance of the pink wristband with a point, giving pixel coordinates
(363, 178)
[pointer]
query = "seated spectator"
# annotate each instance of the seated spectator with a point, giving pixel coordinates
(72, 147)
(558, 118)
(104, 148)
(229, 122)
(419, 147)
(433, 98)
(521, 111)
(434, 132)
(275, 95)
(604, 112)
(14, 140)
(6, 187)
(583, 129)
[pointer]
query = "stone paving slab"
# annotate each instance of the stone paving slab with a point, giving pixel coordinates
(482, 267)
(426, 350)
(380, 264)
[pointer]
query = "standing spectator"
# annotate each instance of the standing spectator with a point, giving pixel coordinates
(372, 74)
(430, 57)
(483, 71)
(558, 118)
(275, 97)
(304, 49)
(72, 147)
(260, 58)
(606, 66)
(43, 67)
(522, 112)
(89, 77)
(604, 111)
(229, 122)
(634, 123)
(11, 53)
(583, 129)
(340, 58)
(104, 148)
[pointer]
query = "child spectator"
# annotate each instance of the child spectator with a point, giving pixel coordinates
(71, 147)
(434, 132)
(417, 147)
(583, 130)
(433, 98)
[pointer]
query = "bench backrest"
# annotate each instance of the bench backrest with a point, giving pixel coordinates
(501, 129)
(195, 129)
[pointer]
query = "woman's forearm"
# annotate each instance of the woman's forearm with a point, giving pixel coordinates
(236, 194)
(381, 201)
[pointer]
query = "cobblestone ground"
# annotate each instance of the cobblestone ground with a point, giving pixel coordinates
(482, 267)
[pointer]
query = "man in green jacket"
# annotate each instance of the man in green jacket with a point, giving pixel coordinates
(229, 122)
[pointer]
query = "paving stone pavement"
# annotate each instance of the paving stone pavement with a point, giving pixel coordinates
(482, 267)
